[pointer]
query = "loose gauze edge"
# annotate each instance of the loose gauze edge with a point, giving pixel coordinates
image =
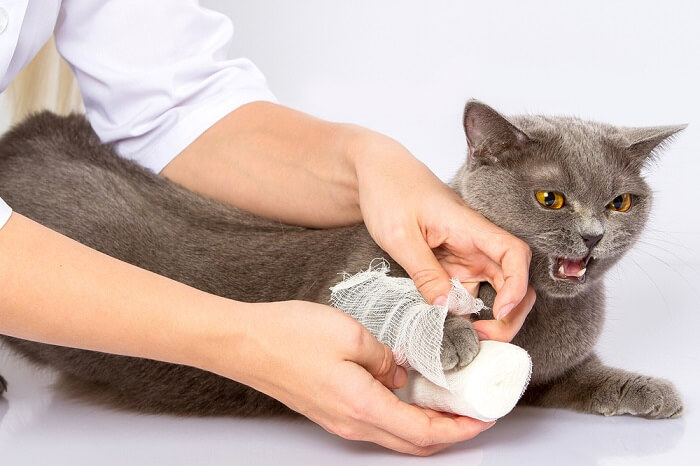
(394, 311)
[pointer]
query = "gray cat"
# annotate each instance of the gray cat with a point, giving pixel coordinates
(571, 189)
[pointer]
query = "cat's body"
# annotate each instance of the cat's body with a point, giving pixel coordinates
(55, 171)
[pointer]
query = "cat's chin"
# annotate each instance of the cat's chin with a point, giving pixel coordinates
(562, 288)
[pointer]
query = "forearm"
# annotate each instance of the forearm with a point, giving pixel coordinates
(55, 290)
(278, 163)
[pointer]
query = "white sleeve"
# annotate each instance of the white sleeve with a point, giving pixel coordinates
(154, 74)
(5, 212)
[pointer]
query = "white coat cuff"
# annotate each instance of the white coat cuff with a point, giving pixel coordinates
(163, 149)
(5, 212)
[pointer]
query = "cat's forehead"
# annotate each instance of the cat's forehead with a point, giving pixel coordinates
(580, 155)
(573, 136)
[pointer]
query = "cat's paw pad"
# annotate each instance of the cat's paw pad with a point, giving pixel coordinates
(641, 396)
(460, 343)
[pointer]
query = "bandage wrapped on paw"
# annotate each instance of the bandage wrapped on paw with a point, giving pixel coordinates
(394, 311)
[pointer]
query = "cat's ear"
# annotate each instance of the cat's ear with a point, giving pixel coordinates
(490, 135)
(643, 143)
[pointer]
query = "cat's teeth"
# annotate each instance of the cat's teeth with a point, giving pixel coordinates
(580, 273)
(561, 270)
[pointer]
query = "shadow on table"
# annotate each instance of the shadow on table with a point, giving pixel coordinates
(534, 435)
(4, 408)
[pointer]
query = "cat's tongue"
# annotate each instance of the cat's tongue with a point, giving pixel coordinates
(573, 268)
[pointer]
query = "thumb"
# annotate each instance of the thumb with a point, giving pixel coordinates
(378, 360)
(416, 257)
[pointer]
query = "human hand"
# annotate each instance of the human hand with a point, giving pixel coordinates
(328, 367)
(433, 234)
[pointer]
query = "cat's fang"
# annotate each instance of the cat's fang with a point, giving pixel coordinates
(571, 270)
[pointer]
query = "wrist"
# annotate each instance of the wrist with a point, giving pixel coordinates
(215, 337)
(362, 146)
(370, 156)
(377, 160)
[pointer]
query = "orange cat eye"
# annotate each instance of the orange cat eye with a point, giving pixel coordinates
(550, 199)
(621, 203)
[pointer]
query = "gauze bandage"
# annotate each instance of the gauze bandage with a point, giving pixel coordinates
(394, 311)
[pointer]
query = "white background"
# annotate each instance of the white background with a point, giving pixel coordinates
(406, 68)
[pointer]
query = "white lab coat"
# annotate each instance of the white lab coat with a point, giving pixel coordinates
(153, 74)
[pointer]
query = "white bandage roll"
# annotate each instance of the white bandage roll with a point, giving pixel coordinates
(487, 389)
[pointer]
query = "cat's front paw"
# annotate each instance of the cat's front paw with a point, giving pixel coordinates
(460, 343)
(639, 396)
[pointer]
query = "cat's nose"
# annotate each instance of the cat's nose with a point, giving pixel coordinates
(591, 241)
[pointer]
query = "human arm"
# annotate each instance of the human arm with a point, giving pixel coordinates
(57, 291)
(287, 165)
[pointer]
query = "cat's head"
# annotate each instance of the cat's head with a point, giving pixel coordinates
(571, 189)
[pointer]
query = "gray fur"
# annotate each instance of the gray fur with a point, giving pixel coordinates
(55, 171)
(460, 343)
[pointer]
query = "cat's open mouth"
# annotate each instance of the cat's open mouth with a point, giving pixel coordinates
(573, 270)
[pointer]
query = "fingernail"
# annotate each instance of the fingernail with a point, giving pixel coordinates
(505, 310)
(440, 301)
(400, 377)
(489, 425)
(482, 336)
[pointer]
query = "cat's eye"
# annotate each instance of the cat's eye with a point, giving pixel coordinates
(621, 203)
(550, 199)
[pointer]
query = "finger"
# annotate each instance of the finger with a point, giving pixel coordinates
(506, 328)
(513, 256)
(412, 253)
(369, 433)
(422, 428)
(493, 273)
(395, 443)
(474, 267)
(358, 422)
(472, 288)
(378, 360)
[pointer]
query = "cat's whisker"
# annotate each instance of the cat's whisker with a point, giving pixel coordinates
(612, 316)
(668, 242)
(659, 235)
(668, 251)
(670, 267)
(651, 279)
(656, 230)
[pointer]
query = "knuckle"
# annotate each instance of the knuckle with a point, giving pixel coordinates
(425, 279)
(531, 296)
(356, 411)
(505, 333)
(423, 452)
(387, 362)
(356, 339)
(396, 235)
(346, 431)
(423, 442)
(423, 439)
(520, 246)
